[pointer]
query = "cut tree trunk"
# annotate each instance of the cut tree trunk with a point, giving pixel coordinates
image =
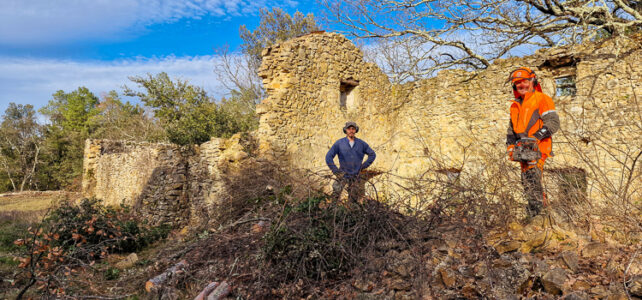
(155, 283)
(220, 292)
(207, 290)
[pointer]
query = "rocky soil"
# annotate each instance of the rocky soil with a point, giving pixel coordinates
(543, 258)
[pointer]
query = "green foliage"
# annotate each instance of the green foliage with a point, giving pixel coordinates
(8, 261)
(320, 240)
(276, 26)
(112, 273)
(93, 224)
(10, 231)
(72, 111)
(187, 113)
(71, 117)
(20, 139)
(72, 238)
(238, 112)
(116, 120)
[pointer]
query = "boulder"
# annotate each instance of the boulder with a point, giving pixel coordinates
(536, 240)
(127, 262)
(570, 259)
(553, 281)
(594, 249)
(507, 246)
(581, 285)
(447, 277)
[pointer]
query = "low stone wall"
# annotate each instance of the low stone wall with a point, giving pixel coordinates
(164, 182)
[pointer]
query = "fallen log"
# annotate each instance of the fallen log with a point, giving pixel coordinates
(207, 290)
(220, 292)
(158, 281)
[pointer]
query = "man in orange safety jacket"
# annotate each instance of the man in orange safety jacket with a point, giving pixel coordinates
(532, 115)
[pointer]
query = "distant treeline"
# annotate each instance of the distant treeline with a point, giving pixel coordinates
(46, 156)
(43, 156)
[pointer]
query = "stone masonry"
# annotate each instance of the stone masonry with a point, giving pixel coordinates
(167, 183)
(457, 117)
(455, 121)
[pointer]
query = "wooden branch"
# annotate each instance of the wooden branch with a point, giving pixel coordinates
(220, 292)
(207, 290)
(155, 283)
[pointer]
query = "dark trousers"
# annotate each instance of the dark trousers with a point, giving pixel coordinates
(354, 185)
(533, 190)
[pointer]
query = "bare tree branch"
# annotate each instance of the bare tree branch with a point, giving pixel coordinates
(474, 33)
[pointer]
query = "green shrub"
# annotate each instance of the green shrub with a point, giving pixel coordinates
(112, 274)
(91, 224)
(316, 241)
(72, 238)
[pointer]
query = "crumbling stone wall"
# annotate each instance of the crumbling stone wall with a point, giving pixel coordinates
(166, 183)
(457, 116)
(317, 82)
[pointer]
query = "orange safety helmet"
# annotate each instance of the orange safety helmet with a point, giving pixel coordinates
(523, 73)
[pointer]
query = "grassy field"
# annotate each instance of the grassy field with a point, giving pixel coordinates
(32, 201)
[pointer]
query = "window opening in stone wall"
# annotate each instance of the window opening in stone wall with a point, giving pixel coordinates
(565, 86)
(346, 100)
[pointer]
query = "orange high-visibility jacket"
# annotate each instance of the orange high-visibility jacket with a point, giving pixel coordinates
(526, 119)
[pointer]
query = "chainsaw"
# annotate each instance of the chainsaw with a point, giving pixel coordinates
(526, 150)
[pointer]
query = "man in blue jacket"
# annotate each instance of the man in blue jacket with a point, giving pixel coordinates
(351, 151)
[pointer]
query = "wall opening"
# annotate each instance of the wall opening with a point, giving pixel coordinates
(565, 86)
(347, 94)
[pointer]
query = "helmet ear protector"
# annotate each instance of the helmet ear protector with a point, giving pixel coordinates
(530, 76)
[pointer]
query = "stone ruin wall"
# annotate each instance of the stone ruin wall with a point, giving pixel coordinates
(459, 118)
(166, 183)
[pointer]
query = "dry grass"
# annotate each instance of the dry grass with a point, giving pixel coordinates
(32, 201)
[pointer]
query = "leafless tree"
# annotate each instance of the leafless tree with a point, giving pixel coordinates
(238, 72)
(403, 59)
(471, 34)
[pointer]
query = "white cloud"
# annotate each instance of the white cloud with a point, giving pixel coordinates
(41, 22)
(33, 81)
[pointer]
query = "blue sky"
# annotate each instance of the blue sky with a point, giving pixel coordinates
(47, 45)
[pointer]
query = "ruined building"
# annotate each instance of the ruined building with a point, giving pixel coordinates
(454, 123)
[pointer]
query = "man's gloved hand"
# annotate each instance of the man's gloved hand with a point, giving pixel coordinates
(540, 164)
(542, 133)
(339, 175)
(510, 152)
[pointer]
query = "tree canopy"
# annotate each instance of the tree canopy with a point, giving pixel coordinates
(238, 72)
(471, 34)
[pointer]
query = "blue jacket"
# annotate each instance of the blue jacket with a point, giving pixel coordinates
(350, 158)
